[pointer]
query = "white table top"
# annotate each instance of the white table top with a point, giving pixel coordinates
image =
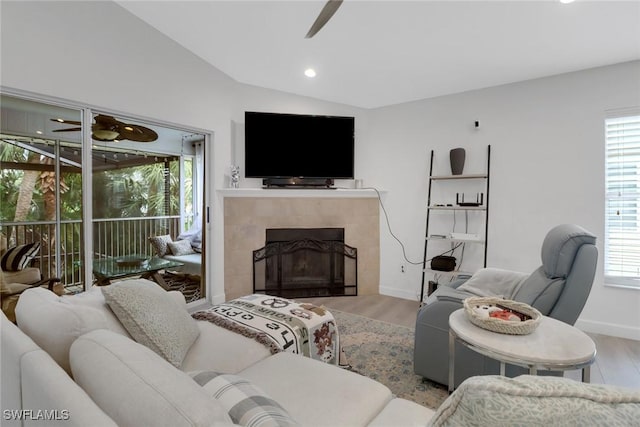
(552, 343)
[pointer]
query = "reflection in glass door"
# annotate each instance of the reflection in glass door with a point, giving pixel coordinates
(144, 223)
(147, 182)
(41, 188)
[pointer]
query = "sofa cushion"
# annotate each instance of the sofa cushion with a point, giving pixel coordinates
(537, 401)
(402, 412)
(54, 322)
(45, 386)
(153, 318)
(160, 244)
(26, 275)
(246, 404)
(19, 257)
(136, 387)
(317, 393)
(239, 352)
(180, 247)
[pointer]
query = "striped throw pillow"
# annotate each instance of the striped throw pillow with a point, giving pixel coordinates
(19, 257)
(246, 404)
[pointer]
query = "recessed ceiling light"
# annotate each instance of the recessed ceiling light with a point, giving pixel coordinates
(310, 72)
(39, 132)
(566, 1)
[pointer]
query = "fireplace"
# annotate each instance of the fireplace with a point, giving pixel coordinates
(305, 262)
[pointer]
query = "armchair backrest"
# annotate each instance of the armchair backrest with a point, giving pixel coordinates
(560, 287)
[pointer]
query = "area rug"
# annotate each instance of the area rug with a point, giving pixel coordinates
(188, 284)
(384, 352)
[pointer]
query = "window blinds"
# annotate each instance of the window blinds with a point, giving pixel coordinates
(622, 216)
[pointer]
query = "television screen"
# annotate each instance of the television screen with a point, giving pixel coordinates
(301, 146)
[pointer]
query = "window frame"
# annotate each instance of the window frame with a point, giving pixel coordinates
(621, 168)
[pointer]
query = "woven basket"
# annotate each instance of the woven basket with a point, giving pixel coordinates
(499, 325)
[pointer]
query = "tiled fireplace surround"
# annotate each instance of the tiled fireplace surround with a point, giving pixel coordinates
(249, 212)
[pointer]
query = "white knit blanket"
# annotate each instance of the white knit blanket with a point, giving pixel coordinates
(537, 401)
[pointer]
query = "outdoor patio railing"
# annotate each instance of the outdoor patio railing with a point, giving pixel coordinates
(111, 238)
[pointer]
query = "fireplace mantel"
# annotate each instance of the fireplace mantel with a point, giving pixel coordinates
(249, 212)
(302, 192)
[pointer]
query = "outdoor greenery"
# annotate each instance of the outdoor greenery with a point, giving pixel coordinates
(132, 192)
(28, 195)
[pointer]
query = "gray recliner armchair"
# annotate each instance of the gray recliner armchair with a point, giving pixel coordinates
(559, 289)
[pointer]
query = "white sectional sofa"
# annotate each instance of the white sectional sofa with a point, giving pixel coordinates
(73, 363)
(120, 382)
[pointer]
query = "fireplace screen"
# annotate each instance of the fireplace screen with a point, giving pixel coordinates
(298, 263)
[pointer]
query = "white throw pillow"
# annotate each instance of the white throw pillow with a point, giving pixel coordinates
(247, 404)
(136, 387)
(153, 318)
(181, 247)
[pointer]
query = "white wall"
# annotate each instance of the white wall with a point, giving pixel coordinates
(547, 168)
(97, 53)
(546, 135)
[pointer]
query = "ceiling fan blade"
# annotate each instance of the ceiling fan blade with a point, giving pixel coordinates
(67, 130)
(67, 122)
(137, 133)
(325, 14)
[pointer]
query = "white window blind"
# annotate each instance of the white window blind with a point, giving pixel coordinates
(622, 217)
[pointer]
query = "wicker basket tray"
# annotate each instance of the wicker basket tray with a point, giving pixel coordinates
(524, 327)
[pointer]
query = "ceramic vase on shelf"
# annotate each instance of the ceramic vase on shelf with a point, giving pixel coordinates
(457, 157)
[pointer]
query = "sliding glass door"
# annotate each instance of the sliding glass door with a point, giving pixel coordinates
(41, 188)
(147, 181)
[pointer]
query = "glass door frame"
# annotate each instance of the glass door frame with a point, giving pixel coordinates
(87, 113)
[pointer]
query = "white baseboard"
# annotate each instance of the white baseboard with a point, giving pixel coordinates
(611, 329)
(399, 293)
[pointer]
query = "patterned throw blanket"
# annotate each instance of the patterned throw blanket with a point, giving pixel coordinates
(280, 324)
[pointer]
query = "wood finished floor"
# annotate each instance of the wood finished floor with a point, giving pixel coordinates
(617, 359)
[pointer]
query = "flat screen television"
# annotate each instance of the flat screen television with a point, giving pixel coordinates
(298, 146)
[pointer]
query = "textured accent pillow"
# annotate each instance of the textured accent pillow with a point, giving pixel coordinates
(180, 247)
(153, 318)
(19, 257)
(247, 405)
(160, 244)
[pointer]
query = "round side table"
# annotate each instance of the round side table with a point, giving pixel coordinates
(554, 345)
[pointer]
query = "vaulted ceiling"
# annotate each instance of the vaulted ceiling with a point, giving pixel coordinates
(377, 53)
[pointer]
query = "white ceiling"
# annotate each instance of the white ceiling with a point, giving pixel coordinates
(377, 53)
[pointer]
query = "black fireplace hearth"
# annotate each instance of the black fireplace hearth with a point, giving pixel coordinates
(305, 262)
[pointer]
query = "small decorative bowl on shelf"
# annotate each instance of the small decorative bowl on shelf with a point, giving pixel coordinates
(502, 315)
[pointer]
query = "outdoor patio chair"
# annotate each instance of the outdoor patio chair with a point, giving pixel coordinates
(14, 283)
